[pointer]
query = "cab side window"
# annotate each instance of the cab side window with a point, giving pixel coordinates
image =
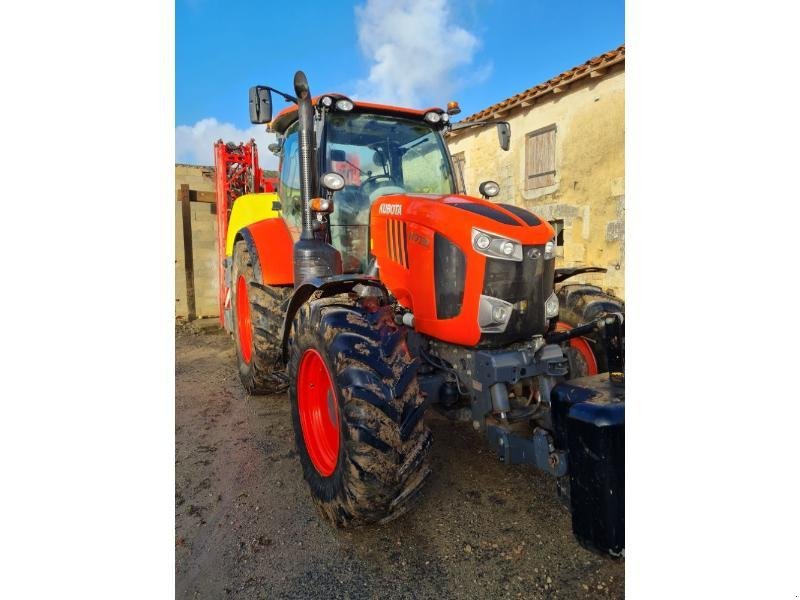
(289, 184)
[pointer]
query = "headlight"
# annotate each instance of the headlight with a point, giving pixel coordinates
(344, 104)
(332, 181)
(489, 189)
(496, 246)
(433, 117)
(551, 306)
(493, 314)
(499, 313)
(549, 249)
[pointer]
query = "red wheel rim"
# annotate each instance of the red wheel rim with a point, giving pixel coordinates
(243, 320)
(582, 347)
(319, 412)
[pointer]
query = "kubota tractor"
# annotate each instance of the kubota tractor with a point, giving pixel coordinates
(372, 289)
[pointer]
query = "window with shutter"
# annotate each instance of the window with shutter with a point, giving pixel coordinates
(540, 158)
(459, 162)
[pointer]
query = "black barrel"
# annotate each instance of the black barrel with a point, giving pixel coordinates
(589, 423)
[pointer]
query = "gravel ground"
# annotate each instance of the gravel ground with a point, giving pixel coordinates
(245, 526)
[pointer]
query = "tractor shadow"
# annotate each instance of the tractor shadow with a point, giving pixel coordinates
(482, 529)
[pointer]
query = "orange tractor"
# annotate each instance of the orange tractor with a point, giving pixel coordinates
(372, 290)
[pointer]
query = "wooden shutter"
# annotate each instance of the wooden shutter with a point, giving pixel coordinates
(458, 162)
(540, 158)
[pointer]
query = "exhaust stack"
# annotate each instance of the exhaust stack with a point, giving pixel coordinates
(308, 171)
(313, 257)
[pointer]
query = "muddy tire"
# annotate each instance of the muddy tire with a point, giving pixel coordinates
(258, 311)
(580, 304)
(357, 412)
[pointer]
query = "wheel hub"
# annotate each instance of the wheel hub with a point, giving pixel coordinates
(319, 412)
(243, 320)
(583, 351)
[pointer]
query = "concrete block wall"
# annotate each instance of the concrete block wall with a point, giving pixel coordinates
(204, 245)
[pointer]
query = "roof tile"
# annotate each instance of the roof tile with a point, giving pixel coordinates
(607, 58)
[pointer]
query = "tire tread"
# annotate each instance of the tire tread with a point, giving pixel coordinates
(386, 455)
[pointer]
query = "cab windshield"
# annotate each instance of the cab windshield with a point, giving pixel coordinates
(379, 155)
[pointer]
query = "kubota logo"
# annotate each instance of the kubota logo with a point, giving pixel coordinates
(391, 209)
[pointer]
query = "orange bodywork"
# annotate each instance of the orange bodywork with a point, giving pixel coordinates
(402, 232)
(275, 251)
(402, 229)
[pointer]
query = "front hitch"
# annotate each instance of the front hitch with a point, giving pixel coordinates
(537, 450)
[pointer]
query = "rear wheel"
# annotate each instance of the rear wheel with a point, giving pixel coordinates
(257, 319)
(580, 304)
(357, 412)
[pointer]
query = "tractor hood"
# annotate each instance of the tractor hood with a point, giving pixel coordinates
(454, 216)
(452, 260)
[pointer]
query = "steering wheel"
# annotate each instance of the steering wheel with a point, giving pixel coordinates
(371, 181)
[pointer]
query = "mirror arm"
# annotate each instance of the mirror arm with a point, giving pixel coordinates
(287, 97)
(463, 125)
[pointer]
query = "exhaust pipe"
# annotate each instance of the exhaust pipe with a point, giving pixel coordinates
(313, 257)
(308, 171)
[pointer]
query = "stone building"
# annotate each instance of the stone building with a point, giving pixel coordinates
(566, 162)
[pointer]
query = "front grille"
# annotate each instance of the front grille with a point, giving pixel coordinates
(526, 285)
(397, 246)
(449, 275)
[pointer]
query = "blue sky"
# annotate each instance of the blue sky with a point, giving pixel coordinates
(416, 52)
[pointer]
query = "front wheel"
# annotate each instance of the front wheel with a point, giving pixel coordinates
(357, 412)
(580, 304)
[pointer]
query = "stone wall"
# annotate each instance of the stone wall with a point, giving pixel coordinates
(589, 190)
(204, 244)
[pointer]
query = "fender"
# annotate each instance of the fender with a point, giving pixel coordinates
(565, 273)
(330, 286)
(270, 246)
(249, 209)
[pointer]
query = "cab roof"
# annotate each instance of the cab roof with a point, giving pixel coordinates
(289, 114)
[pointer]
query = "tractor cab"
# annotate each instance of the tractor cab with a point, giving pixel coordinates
(377, 151)
(381, 155)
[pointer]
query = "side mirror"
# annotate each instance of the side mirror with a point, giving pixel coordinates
(260, 105)
(275, 148)
(338, 156)
(489, 189)
(504, 134)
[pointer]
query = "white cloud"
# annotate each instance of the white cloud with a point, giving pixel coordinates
(194, 144)
(419, 55)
